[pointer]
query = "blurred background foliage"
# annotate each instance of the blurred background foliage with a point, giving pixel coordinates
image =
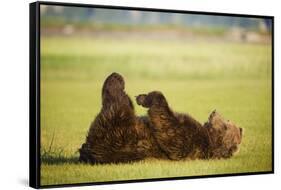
(71, 20)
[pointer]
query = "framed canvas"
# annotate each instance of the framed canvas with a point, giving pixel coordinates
(127, 94)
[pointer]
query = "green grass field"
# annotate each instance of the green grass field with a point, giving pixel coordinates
(196, 77)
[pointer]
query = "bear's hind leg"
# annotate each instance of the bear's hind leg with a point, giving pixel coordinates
(112, 137)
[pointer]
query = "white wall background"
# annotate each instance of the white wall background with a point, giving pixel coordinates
(14, 73)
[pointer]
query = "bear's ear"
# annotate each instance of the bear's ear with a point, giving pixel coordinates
(216, 121)
(215, 117)
(212, 115)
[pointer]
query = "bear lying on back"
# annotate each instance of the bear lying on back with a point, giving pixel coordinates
(118, 135)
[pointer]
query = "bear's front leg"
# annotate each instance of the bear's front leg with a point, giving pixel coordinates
(166, 127)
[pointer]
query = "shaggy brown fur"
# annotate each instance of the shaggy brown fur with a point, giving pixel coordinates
(118, 135)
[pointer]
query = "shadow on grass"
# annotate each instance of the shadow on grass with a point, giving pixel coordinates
(57, 156)
(58, 159)
(54, 156)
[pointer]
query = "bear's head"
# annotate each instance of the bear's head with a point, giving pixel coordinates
(225, 136)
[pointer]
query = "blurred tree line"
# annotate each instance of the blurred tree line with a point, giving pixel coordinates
(65, 15)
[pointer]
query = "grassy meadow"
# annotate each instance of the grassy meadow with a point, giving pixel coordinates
(196, 77)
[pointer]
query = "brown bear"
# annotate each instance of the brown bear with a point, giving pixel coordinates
(117, 135)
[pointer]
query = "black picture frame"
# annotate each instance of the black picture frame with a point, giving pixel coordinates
(34, 92)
